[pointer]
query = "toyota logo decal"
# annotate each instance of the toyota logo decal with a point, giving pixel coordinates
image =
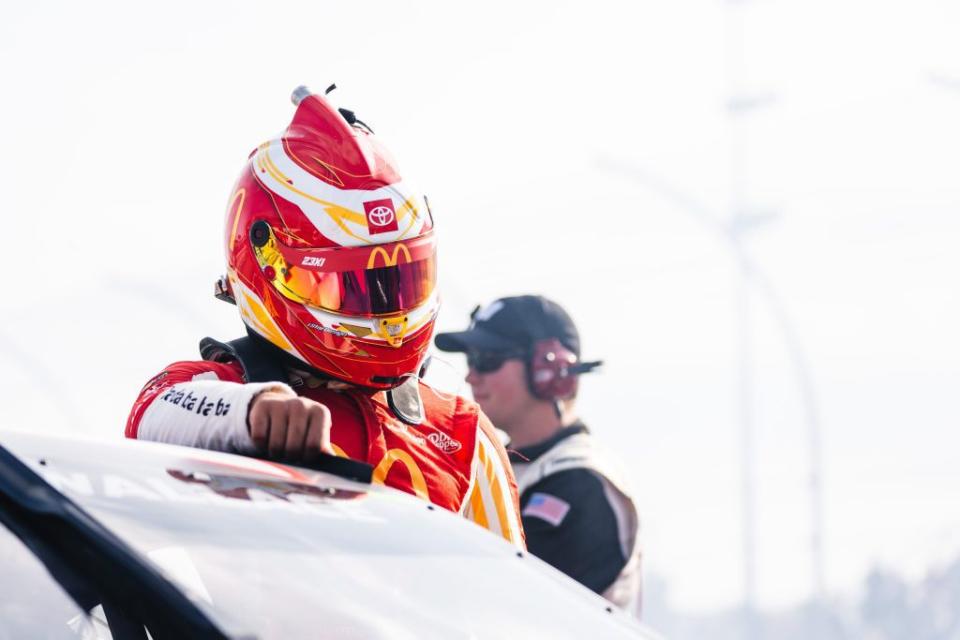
(381, 216)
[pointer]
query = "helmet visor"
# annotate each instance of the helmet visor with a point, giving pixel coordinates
(358, 281)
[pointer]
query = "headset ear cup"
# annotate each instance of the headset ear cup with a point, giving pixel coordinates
(548, 371)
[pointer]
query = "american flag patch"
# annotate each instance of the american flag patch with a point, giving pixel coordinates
(547, 507)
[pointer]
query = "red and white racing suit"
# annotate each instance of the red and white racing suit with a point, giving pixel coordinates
(452, 459)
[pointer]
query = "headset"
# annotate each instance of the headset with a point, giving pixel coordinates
(552, 370)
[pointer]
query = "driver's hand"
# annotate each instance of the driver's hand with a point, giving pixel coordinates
(289, 426)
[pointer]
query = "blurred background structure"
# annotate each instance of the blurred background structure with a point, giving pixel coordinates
(749, 206)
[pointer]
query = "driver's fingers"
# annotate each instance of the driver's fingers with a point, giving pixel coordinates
(318, 432)
(278, 429)
(296, 429)
(259, 421)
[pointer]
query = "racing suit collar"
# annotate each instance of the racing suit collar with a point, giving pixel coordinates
(534, 451)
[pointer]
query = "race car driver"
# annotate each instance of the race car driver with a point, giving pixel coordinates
(331, 261)
(523, 355)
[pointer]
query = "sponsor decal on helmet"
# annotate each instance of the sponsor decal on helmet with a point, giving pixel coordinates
(320, 327)
(444, 442)
(389, 260)
(313, 261)
(381, 216)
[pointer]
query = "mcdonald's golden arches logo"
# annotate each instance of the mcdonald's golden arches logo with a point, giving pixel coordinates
(417, 481)
(388, 260)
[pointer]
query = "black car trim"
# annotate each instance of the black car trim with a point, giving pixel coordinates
(91, 563)
(334, 465)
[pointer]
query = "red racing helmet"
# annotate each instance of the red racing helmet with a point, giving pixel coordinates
(331, 256)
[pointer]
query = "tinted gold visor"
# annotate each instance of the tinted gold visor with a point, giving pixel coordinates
(357, 281)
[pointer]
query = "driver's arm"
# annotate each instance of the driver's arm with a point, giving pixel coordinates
(198, 404)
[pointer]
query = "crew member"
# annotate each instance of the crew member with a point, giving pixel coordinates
(523, 355)
(331, 261)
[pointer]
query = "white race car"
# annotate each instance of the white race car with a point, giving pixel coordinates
(136, 540)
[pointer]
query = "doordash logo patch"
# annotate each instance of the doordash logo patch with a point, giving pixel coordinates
(381, 216)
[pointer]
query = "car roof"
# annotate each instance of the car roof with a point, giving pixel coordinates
(234, 531)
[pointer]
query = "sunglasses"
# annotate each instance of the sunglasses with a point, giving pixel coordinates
(490, 361)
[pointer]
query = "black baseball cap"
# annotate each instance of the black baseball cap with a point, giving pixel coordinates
(511, 324)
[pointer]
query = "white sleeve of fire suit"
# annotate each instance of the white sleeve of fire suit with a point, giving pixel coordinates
(204, 413)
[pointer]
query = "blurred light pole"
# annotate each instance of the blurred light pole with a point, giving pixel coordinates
(740, 220)
(751, 278)
(739, 106)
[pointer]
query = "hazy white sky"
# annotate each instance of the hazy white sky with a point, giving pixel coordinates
(565, 148)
